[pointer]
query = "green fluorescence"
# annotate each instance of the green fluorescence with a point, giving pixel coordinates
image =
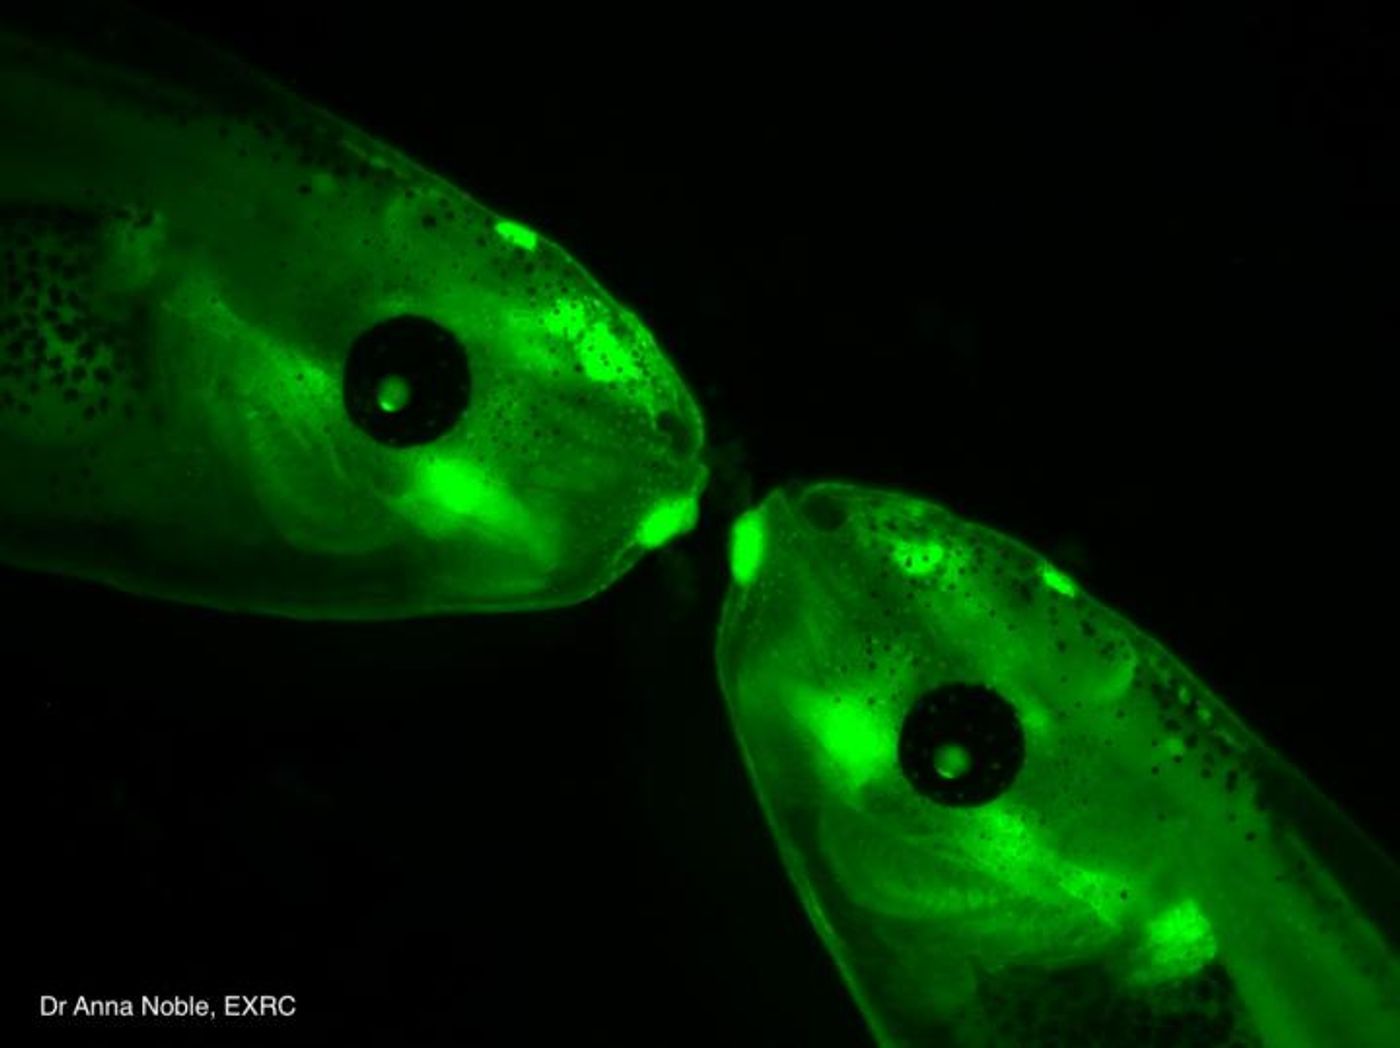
(1058, 581)
(916, 558)
(1179, 943)
(514, 233)
(1015, 818)
(746, 548)
(670, 518)
(252, 358)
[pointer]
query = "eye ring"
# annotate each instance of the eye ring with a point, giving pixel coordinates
(961, 745)
(406, 381)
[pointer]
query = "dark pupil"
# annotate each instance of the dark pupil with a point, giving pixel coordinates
(975, 724)
(406, 381)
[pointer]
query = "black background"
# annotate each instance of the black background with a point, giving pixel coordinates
(1121, 288)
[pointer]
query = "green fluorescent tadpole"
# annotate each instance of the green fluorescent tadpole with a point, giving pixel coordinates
(1016, 819)
(252, 358)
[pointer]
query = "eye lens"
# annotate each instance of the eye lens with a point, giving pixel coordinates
(681, 438)
(961, 745)
(406, 381)
(951, 760)
(394, 394)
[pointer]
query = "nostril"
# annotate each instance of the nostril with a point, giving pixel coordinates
(821, 510)
(674, 429)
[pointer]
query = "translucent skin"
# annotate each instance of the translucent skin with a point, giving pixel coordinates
(189, 253)
(1153, 873)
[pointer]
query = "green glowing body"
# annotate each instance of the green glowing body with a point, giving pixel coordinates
(1143, 869)
(188, 255)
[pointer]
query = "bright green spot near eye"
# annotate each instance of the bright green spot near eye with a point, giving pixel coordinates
(1058, 581)
(952, 761)
(746, 547)
(670, 518)
(854, 739)
(461, 488)
(605, 358)
(394, 393)
(451, 495)
(916, 558)
(602, 355)
(514, 233)
(1178, 942)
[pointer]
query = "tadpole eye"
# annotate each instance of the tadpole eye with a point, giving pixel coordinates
(406, 381)
(961, 745)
